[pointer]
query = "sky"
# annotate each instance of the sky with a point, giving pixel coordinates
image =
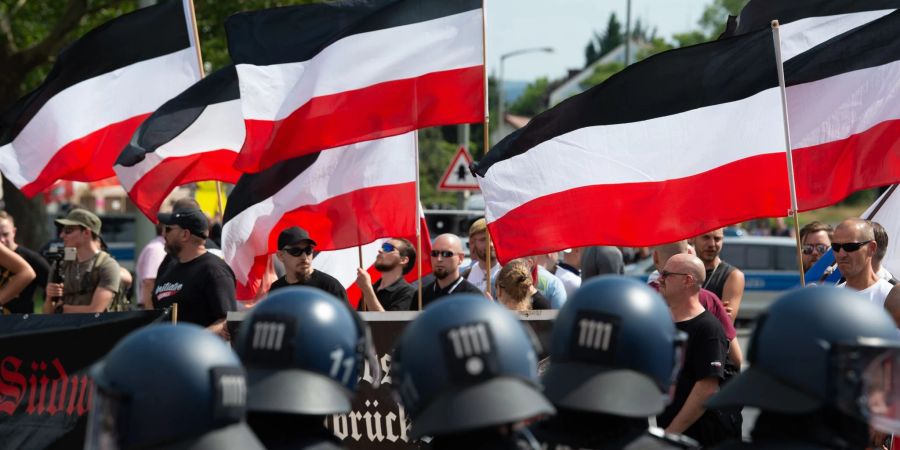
(566, 26)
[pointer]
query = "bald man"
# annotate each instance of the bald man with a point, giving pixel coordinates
(854, 247)
(446, 256)
(680, 282)
(708, 300)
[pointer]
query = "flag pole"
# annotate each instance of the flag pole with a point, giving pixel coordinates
(418, 222)
(887, 194)
(194, 30)
(487, 134)
(359, 253)
(776, 36)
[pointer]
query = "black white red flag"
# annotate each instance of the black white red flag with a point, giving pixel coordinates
(75, 124)
(196, 136)
(844, 107)
(683, 142)
(325, 75)
(344, 197)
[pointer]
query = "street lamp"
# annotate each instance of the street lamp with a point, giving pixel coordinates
(500, 96)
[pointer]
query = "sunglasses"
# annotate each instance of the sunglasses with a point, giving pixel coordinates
(168, 228)
(387, 247)
(665, 274)
(297, 251)
(70, 229)
(442, 253)
(819, 248)
(848, 247)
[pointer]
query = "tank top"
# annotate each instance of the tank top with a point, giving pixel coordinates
(715, 278)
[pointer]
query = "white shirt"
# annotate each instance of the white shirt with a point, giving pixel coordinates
(148, 262)
(877, 292)
(569, 280)
(884, 274)
(476, 276)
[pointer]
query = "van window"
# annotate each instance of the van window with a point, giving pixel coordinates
(786, 258)
(759, 257)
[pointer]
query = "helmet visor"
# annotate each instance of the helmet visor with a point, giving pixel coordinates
(103, 427)
(880, 399)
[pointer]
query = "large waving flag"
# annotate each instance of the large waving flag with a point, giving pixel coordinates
(325, 75)
(196, 136)
(844, 108)
(344, 197)
(673, 146)
(828, 17)
(102, 87)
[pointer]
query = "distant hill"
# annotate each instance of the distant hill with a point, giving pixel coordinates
(513, 90)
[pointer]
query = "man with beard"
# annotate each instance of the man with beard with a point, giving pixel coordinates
(722, 279)
(296, 251)
(478, 244)
(391, 292)
(199, 282)
(446, 256)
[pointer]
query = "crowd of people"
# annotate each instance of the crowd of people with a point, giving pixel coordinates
(701, 295)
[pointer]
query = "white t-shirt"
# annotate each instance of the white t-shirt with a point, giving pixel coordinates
(569, 280)
(148, 262)
(476, 276)
(884, 274)
(877, 292)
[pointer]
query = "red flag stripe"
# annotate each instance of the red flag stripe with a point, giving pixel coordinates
(373, 112)
(149, 191)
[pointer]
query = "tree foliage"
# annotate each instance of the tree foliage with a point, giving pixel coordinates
(533, 100)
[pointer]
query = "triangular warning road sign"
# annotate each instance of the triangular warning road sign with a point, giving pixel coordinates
(458, 177)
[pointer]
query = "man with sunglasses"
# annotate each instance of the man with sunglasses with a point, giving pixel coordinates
(854, 247)
(296, 251)
(391, 292)
(91, 281)
(200, 282)
(704, 359)
(815, 240)
(446, 256)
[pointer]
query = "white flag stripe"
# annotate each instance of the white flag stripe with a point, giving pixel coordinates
(273, 92)
(681, 145)
(360, 165)
(889, 217)
(342, 263)
(207, 133)
(801, 35)
(840, 106)
(81, 110)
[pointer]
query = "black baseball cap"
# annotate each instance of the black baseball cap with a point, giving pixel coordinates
(293, 236)
(191, 219)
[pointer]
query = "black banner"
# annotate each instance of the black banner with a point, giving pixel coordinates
(44, 391)
(377, 421)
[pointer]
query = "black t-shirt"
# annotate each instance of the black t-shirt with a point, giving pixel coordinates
(24, 302)
(203, 287)
(538, 301)
(318, 279)
(704, 357)
(399, 296)
(433, 291)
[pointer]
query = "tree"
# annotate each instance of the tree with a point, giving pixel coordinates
(601, 44)
(32, 34)
(712, 21)
(533, 100)
(601, 73)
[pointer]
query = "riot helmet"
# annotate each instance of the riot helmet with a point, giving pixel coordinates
(303, 350)
(466, 363)
(169, 386)
(822, 347)
(615, 350)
